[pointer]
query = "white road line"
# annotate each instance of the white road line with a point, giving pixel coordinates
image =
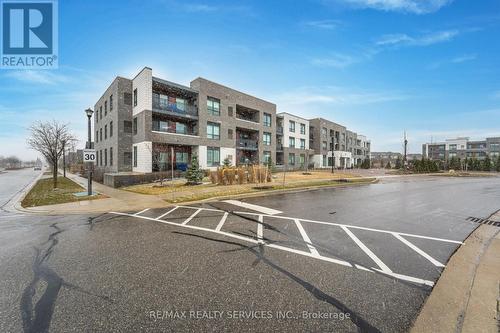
(260, 229)
(283, 248)
(11, 216)
(418, 250)
(142, 211)
(170, 211)
(306, 238)
(256, 208)
(367, 251)
(357, 227)
(192, 216)
(209, 209)
(222, 221)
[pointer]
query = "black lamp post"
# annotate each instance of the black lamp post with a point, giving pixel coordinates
(89, 113)
(333, 153)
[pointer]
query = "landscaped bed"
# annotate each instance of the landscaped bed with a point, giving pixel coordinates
(43, 193)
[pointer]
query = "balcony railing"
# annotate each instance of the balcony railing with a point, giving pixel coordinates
(174, 130)
(279, 130)
(253, 119)
(175, 108)
(247, 144)
(279, 147)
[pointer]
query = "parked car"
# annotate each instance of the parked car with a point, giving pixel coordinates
(37, 168)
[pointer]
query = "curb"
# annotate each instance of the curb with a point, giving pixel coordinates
(14, 204)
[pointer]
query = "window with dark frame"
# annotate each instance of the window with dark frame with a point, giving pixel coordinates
(111, 156)
(135, 97)
(110, 129)
(135, 126)
(110, 102)
(105, 108)
(213, 156)
(213, 106)
(267, 120)
(135, 157)
(105, 132)
(213, 131)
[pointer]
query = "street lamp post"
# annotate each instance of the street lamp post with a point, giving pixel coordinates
(333, 156)
(64, 158)
(89, 113)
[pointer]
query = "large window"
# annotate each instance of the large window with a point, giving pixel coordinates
(266, 138)
(213, 131)
(302, 128)
(267, 119)
(291, 159)
(135, 156)
(213, 156)
(291, 142)
(291, 126)
(302, 144)
(213, 106)
(267, 157)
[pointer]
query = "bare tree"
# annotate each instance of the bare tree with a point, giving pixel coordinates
(47, 138)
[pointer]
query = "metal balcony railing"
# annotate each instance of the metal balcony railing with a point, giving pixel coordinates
(180, 109)
(247, 144)
(174, 130)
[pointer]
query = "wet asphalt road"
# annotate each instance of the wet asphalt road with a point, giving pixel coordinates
(128, 273)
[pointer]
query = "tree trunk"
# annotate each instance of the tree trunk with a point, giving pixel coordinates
(54, 173)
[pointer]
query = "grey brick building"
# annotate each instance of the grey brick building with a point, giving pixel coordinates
(462, 148)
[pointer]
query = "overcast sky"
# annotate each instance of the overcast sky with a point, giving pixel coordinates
(378, 67)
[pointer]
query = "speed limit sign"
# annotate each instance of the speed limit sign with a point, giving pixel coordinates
(89, 155)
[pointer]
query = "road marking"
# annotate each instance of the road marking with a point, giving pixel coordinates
(209, 209)
(142, 211)
(192, 216)
(306, 238)
(12, 216)
(363, 247)
(257, 208)
(418, 250)
(222, 221)
(260, 229)
(357, 227)
(170, 211)
(283, 248)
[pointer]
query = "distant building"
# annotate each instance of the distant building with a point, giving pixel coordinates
(380, 159)
(462, 148)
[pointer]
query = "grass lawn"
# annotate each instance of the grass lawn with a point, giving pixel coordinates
(43, 193)
(180, 192)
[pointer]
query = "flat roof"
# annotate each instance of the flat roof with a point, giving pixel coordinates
(173, 84)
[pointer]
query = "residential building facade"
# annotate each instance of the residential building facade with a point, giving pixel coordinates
(336, 146)
(462, 148)
(292, 141)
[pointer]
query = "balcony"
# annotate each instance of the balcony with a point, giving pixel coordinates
(174, 108)
(247, 144)
(279, 130)
(247, 114)
(173, 128)
(279, 147)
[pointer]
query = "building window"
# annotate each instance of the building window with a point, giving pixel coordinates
(111, 156)
(291, 159)
(105, 107)
(96, 116)
(105, 157)
(97, 136)
(267, 157)
(324, 160)
(135, 126)
(302, 128)
(324, 145)
(100, 134)
(302, 143)
(213, 131)
(127, 158)
(291, 127)
(110, 129)
(267, 119)
(100, 157)
(111, 103)
(213, 156)
(105, 132)
(135, 156)
(135, 97)
(302, 159)
(291, 142)
(267, 139)
(100, 112)
(127, 126)
(213, 106)
(323, 132)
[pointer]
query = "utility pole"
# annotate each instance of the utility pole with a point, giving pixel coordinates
(405, 162)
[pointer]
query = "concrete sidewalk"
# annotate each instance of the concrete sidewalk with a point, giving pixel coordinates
(466, 297)
(117, 200)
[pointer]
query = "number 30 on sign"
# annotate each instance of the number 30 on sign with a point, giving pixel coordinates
(89, 155)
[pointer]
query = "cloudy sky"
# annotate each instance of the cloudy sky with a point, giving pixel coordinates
(430, 67)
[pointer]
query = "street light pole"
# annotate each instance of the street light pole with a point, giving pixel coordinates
(89, 113)
(64, 158)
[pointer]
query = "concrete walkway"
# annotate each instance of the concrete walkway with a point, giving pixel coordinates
(118, 200)
(467, 295)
